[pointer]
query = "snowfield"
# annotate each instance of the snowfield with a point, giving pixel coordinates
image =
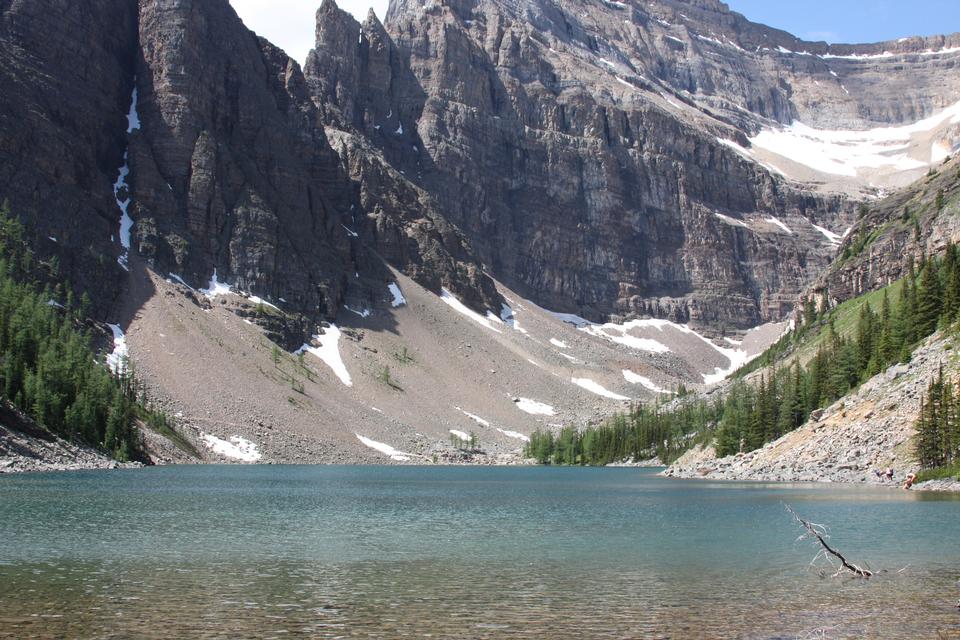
(329, 352)
(534, 408)
(643, 381)
(117, 359)
(621, 334)
(480, 421)
(461, 308)
(594, 387)
(398, 299)
(847, 153)
(514, 434)
(385, 449)
(216, 288)
(236, 448)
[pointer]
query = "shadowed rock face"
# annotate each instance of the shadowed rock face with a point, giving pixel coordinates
(571, 150)
(230, 168)
(66, 74)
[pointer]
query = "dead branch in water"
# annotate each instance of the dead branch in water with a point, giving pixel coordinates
(818, 533)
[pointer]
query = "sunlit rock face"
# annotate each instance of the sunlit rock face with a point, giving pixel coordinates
(598, 157)
(603, 158)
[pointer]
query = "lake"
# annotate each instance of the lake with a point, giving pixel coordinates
(462, 552)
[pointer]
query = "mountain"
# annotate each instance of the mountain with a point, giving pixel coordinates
(892, 234)
(436, 183)
(210, 134)
(872, 426)
(598, 157)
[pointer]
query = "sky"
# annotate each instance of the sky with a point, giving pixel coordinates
(290, 23)
(854, 21)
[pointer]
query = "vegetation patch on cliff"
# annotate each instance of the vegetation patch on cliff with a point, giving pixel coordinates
(49, 367)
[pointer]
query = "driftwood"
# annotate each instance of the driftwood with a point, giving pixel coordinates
(818, 533)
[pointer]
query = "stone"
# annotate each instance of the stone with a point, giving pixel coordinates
(583, 195)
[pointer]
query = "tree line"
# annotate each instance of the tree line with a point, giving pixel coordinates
(937, 443)
(753, 414)
(643, 433)
(784, 399)
(49, 368)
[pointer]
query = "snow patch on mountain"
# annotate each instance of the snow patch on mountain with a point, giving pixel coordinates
(455, 304)
(385, 449)
(596, 388)
(329, 352)
(237, 448)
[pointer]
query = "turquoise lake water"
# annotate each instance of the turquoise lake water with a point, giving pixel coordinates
(455, 552)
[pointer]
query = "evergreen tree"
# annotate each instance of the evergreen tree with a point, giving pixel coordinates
(887, 348)
(928, 444)
(951, 284)
(48, 365)
(929, 302)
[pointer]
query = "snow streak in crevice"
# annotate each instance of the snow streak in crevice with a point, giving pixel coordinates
(121, 190)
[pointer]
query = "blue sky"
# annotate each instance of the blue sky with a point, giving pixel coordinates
(854, 21)
(290, 23)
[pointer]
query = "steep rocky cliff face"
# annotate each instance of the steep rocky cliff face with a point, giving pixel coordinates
(596, 157)
(579, 182)
(229, 170)
(232, 145)
(894, 233)
(66, 75)
(226, 168)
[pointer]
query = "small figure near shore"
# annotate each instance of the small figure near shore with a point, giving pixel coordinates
(911, 479)
(889, 473)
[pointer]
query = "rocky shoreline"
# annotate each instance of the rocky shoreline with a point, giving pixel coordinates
(732, 470)
(851, 441)
(638, 464)
(22, 453)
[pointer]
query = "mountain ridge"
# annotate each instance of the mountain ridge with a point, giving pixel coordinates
(507, 158)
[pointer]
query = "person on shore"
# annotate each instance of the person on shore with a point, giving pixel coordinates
(889, 473)
(911, 479)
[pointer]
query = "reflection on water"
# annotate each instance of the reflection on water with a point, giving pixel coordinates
(461, 553)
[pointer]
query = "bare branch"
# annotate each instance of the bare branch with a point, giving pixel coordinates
(819, 534)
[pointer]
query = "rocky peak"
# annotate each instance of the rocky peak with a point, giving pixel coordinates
(543, 134)
(338, 52)
(230, 170)
(224, 164)
(594, 156)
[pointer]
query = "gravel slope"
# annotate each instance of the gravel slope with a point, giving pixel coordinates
(418, 372)
(870, 430)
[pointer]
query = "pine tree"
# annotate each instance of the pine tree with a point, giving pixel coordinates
(929, 301)
(948, 420)
(950, 273)
(887, 348)
(906, 316)
(755, 431)
(866, 336)
(928, 443)
(809, 311)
